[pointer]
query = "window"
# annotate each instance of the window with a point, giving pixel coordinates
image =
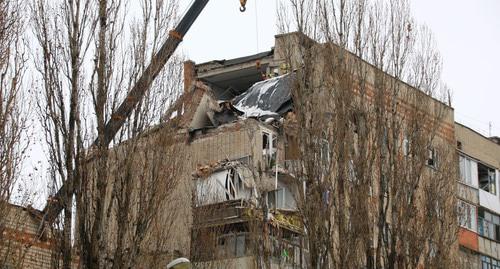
(269, 143)
(240, 245)
(489, 225)
(232, 245)
(276, 199)
(465, 170)
(467, 215)
(281, 199)
(489, 263)
(487, 178)
(432, 157)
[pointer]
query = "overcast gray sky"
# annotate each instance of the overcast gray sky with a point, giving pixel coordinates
(467, 32)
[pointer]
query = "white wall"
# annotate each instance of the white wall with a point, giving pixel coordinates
(489, 200)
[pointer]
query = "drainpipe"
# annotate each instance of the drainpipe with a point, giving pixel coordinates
(276, 165)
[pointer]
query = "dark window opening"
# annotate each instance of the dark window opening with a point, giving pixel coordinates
(265, 141)
(432, 157)
(487, 178)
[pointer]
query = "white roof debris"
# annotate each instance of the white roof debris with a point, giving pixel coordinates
(266, 98)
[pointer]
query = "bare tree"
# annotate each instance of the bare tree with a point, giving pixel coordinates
(152, 168)
(12, 116)
(128, 201)
(13, 126)
(87, 61)
(368, 141)
(62, 30)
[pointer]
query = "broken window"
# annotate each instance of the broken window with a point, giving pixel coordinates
(467, 215)
(269, 144)
(225, 185)
(265, 141)
(230, 185)
(487, 178)
(432, 157)
(465, 170)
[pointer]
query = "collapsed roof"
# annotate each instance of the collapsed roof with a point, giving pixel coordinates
(266, 98)
(230, 78)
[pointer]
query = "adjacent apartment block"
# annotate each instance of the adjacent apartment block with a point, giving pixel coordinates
(478, 198)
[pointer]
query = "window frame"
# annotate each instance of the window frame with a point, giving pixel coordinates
(432, 155)
(471, 220)
(490, 182)
(488, 225)
(465, 170)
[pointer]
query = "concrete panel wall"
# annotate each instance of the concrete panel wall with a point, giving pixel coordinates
(489, 247)
(478, 146)
(468, 193)
(489, 200)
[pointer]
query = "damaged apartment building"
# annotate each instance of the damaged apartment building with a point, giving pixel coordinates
(235, 204)
(233, 114)
(243, 205)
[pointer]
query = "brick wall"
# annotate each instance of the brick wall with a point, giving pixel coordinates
(21, 245)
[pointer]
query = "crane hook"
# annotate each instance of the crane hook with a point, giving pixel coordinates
(243, 3)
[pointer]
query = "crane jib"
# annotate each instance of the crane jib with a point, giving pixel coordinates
(137, 92)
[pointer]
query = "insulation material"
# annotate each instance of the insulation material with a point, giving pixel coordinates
(225, 185)
(266, 98)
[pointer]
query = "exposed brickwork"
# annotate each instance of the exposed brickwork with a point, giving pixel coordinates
(21, 244)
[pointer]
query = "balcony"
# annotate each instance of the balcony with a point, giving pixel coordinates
(237, 211)
(221, 213)
(468, 193)
(489, 247)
